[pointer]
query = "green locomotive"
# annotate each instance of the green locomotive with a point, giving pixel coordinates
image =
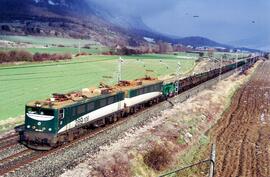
(65, 116)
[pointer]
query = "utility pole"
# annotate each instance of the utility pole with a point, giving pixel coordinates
(236, 63)
(161, 62)
(177, 77)
(119, 73)
(79, 46)
(178, 70)
(220, 69)
(212, 161)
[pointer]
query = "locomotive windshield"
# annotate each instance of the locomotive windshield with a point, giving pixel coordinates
(40, 111)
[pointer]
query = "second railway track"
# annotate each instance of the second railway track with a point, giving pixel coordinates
(27, 156)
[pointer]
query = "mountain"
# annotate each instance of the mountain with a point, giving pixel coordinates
(14, 9)
(83, 19)
(258, 42)
(198, 41)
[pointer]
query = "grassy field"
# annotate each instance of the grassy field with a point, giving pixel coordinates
(229, 56)
(72, 50)
(22, 83)
(50, 44)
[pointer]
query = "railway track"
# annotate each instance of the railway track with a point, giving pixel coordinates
(8, 141)
(8, 145)
(27, 156)
(8, 137)
(18, 160)
(243, 134)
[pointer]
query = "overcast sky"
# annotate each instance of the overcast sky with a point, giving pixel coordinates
(221, 20)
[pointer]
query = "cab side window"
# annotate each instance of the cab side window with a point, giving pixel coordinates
(103, 102)
(90, 106)
(111, 100)
(61, 114)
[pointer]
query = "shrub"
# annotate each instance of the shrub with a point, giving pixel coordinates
(87, 46)
(3, 57)
(37, 57)
(67, 56)
(22, 55)
(81, 54)
(12, 56)
(15, 55)
(158, 158)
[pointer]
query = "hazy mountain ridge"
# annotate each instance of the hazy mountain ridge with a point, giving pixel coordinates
(258, 42)
(82, 19)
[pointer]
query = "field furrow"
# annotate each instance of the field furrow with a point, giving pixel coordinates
(243, 134)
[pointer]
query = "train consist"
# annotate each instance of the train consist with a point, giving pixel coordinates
(51, 122)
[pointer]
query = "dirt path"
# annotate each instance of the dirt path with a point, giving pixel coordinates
(242, 135)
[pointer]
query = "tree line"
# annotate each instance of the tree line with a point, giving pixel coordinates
(22, 55)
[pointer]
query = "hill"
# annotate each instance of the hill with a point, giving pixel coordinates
(85, 20)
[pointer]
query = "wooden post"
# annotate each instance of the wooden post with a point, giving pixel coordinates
(212, 161)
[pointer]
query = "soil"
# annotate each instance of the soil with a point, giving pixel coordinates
(242, 135)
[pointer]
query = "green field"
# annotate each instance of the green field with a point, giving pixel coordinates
(72, 50)
(51, 44)
(22, 83)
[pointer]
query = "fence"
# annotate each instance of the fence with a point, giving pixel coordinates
(210, 161)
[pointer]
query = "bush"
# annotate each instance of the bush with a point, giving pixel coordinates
(22, 55)
(53, 57)
(15, 56)
(67, 56)
(81, 54)
(37, 57)
(3, 57)
(158, 158)
(87, 46)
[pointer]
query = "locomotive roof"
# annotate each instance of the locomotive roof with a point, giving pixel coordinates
(135, 84)
(88, 94)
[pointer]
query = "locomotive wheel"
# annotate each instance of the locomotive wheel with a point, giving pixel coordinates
(70, 137)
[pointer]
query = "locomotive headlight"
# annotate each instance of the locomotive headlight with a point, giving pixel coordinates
(38, 105)
(28, 126)
(50, 129)
(39, 123)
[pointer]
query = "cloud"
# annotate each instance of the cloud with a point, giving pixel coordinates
(223, 20)
(137, 7)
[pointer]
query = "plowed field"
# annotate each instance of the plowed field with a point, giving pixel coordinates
(242, 135)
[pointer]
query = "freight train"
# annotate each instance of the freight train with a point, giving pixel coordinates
(64, 117)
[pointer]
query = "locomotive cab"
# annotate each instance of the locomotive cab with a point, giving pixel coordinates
(41, 125)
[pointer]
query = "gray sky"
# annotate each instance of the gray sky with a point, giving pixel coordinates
(227, 21)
